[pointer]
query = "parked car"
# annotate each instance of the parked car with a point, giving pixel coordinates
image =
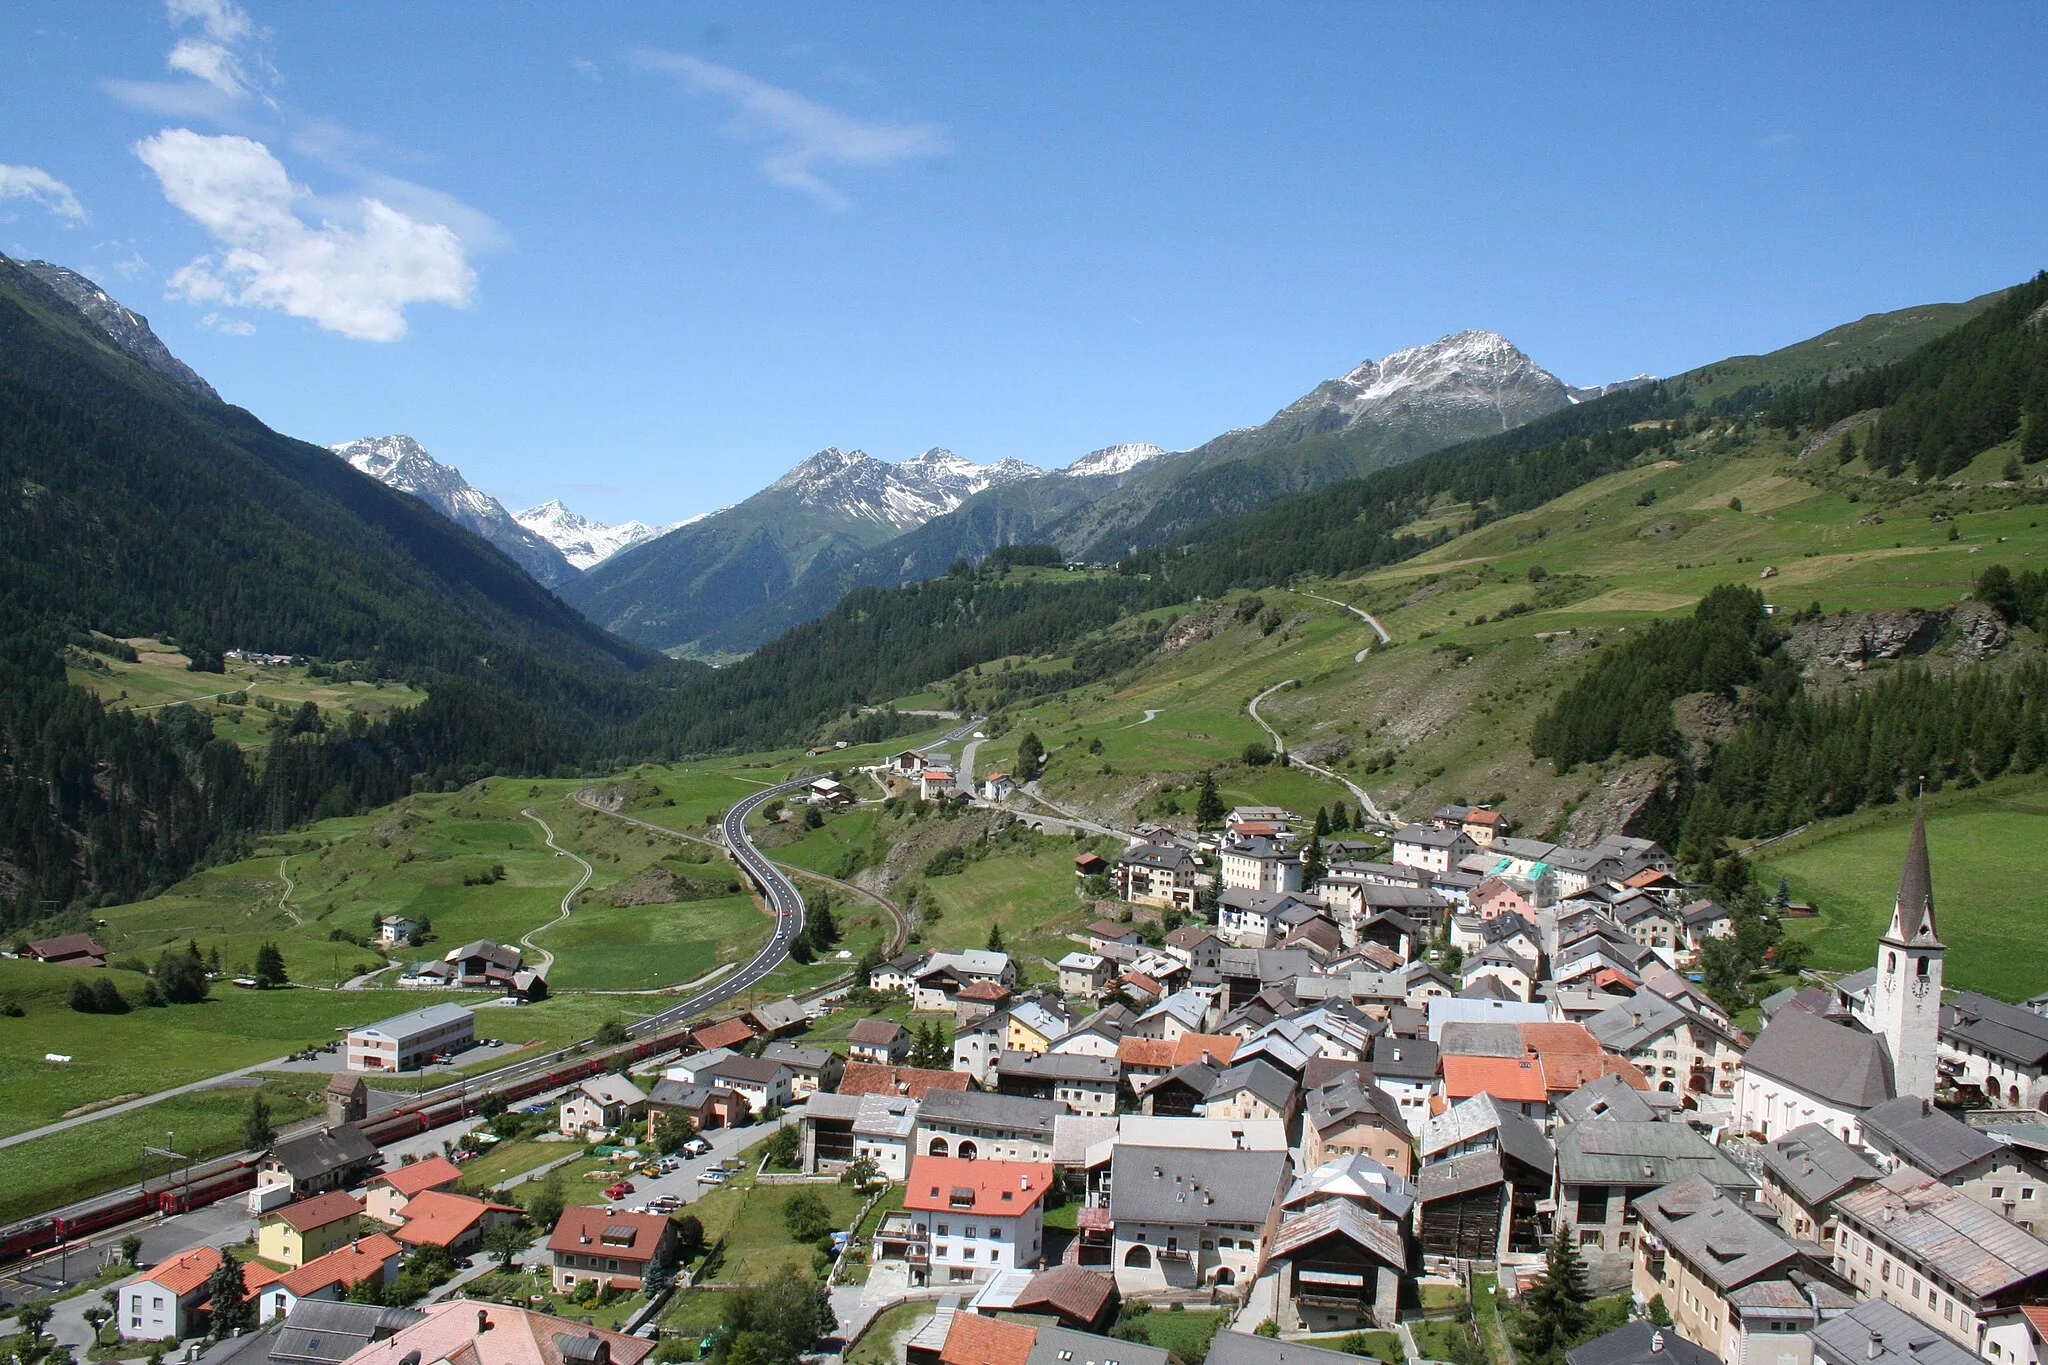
(714, 1175)
(697, 1147)
(666, 1203)
(619, 1191)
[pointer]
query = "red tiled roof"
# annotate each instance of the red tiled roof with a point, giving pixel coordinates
(1143, 983)
(306, 1214)
(430, 1174)
(1505, 1078)
(985, 990)
(359, 1260)
(1145, 1052)
(726, 1033)
(185, 1272)
(872, 1078)
(976, 1340)
(1003, 1188)
(1110, 929)
(64, 946)
(437, 1218)
(1649, 876)
(581, 1229)
(2037, 1318)
(1221, 1047)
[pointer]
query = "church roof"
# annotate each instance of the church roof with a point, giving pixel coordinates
(1842, 1065)
(1913, 914)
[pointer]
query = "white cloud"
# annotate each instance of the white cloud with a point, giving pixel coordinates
(356, 280)
(223, 20)
(39, 186)
(234, 327)
(810, 137)
(214, 63)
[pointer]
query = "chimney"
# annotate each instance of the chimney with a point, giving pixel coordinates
(1876, 1345)
(483, 1321)
(1656, 1342)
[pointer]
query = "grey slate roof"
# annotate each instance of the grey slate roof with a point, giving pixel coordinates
(331, 1149)
(1607, 1152)
(1914, 1131)
(1880, 1333)
(1263, 1079)
(1608, 1097)
(2005, 1031)
(797, 1057)
(1481, 1038)
(1064, 1346)
(1723, 1243)
(1168, 857)
(1845, 1066)
(1405, 1059)
(1243, 1348)
(1642, 1343)
(1815, 1165)
(1354, 1178)
(1348, 1097)
(1075, 1067)
(991, 1111)
(1183, 1185)
(1459, 1175)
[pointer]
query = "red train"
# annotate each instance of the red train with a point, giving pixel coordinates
(216, 1180)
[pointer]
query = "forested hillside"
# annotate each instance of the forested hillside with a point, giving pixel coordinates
(133, 507)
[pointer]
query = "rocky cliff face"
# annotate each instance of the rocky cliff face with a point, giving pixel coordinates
(402, 463)
(125, 328)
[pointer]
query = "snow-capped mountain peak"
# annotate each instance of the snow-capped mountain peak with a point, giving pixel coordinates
(402, 463)
(902, 495)
(1445, 385)
(1117, 459)
(583, 542)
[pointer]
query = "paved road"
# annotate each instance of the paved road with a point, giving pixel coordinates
(568, 897)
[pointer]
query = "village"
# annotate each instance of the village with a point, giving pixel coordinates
(1284, 1083)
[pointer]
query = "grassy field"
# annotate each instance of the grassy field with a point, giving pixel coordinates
(1186, 1333)
(758, 1245)
(95, 1157)
(262, 692)
(603, 947)
(877, 1345)
(1989, 901)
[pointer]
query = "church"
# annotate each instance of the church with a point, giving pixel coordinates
(1875, 1041)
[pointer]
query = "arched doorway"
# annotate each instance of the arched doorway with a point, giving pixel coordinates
(968, 1151)
(1138, 1258)
(1225, 1276)
(938, 1147)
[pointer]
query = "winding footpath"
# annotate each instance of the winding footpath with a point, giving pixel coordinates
(568, 897)
(1280, 749)
(1359, 612)
(284, 900)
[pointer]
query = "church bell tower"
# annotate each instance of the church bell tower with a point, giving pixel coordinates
(1906, 996)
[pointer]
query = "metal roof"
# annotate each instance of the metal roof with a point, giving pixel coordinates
(1914, 1131)
(1845, 1066)
(1944, 1231)
(1608, 1152)
(1880, 1333)
(1724, 1244)
(1185, 1185)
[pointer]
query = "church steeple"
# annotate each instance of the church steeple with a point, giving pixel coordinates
(1913, 911)
(1906, 996)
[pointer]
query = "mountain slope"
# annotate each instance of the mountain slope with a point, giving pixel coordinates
(126, 329)
(1014, 513)
(583, 542)
(402, 463)
(675, 590)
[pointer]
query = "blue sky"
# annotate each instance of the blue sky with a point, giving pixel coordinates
(646, 257)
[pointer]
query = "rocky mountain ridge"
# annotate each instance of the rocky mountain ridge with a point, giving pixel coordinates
(127, 329)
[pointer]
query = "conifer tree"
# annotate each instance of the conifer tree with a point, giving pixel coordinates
(1208, 802)
(1554, 1311)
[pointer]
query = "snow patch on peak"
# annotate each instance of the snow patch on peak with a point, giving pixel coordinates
(1117, 459)
(400, 462)
(1466, 372)
(902, 495)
